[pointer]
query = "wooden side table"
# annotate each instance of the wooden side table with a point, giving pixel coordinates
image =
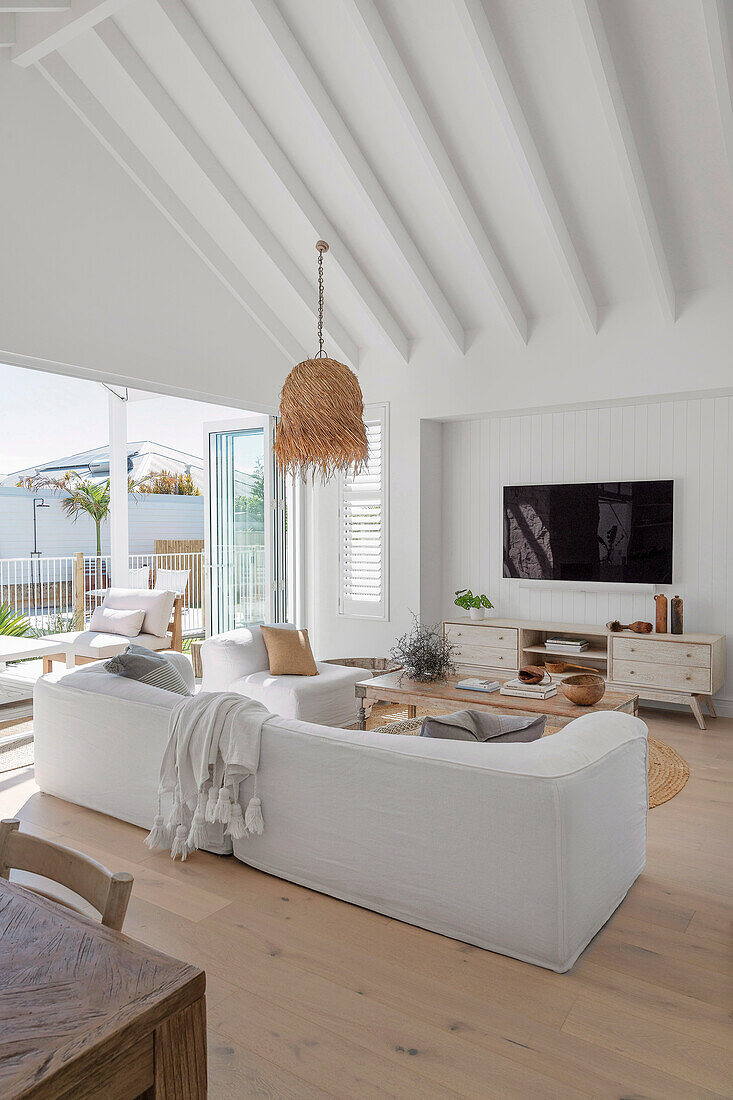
(196, 657)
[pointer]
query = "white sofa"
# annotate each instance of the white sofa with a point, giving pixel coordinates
(238, 661)
(525, 849)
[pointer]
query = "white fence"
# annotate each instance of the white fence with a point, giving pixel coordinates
(61, 593)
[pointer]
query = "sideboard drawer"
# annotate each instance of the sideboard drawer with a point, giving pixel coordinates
(495, 636)
(668, 653)
(481, 656)
(674, 677)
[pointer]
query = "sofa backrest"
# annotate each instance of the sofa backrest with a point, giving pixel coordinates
(227, 657)
(158, 607)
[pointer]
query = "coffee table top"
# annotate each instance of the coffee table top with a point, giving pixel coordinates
(397, 687)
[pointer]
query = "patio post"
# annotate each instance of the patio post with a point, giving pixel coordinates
(118, 516)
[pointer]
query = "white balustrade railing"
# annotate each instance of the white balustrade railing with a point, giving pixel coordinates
(60, 593)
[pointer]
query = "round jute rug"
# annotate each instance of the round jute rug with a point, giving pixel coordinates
(668, 771)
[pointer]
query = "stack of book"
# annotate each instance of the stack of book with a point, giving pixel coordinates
(566, 645)
(528, 691)
(478, 685)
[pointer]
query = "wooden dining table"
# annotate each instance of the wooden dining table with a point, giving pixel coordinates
(90, 1014)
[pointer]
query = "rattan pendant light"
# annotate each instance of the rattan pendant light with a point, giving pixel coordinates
(321, 427)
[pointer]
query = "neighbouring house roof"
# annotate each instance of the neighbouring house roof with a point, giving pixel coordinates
(143, 457)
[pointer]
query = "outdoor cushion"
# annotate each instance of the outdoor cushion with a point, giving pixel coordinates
(289, 652)
(111, 620)
(474, 725)
(171, 580)
(158, 607)
(95, 643)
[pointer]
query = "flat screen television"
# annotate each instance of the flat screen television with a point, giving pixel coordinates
(612, 531)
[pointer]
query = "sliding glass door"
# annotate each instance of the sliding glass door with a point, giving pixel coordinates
(246, 526)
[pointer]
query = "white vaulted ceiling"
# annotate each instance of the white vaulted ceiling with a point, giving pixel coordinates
(473, 165)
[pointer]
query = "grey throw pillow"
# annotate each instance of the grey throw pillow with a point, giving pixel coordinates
(476, 725)
(148, 667)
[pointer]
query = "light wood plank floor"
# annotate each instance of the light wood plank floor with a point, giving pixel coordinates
(311, 997)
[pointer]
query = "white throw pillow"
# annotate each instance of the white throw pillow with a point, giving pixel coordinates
(109, 620)
(157, 606)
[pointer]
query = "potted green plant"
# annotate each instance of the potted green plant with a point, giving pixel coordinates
(475, 605)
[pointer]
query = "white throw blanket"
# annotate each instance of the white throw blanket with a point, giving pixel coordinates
(213, 745)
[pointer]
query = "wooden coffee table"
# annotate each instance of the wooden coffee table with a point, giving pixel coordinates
(394, 687)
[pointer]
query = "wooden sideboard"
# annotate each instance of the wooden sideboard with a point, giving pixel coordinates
(674, 668)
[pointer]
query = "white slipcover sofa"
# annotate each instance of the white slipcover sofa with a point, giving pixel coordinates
(238, 661)
(524, 849)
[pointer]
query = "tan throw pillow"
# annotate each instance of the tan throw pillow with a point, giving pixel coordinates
(289, 651)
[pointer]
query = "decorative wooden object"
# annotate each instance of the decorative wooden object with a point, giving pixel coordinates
(638, 627)
(321, 426)
(108, 893)
(675, 617)
(87, 1013)
(585, 689)
(556, 668)
(661, 601)
(394, 687)
(686, 669)
(532, 674)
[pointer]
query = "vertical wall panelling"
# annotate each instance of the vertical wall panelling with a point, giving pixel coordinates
(688, 440)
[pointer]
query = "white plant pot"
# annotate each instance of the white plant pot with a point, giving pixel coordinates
(477, 612)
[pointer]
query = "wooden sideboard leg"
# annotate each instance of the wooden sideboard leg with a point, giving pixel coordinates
(180, 1055)
(697, 711)
(711, 706)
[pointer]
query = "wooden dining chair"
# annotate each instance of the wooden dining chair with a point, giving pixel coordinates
(108, 893)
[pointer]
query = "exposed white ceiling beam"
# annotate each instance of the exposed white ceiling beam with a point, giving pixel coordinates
(7, 29)
(334, 131)
(718, 32)
(239, 104)
(159, 99)
(416, 118)
(38, 36)
(603, 68)
(76, 94)
(495, 76)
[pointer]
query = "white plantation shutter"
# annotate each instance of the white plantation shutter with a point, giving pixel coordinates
(363, 527)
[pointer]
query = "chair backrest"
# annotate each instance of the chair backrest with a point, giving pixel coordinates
(108, 893)
(230, 656)
(172, 580)
(139, 578)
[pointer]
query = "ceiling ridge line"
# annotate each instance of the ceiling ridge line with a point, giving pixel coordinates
(112, 137)
(718, 36)
(356, 164)
(416, 118)
(165, 107)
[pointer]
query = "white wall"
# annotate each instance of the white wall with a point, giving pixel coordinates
(688, 440)
(635, 355)
(152, 516)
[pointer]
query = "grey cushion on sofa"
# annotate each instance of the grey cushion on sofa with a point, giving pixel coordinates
(475, 725)
(138, 663)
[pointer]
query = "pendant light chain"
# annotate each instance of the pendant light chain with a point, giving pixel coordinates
(321, 247)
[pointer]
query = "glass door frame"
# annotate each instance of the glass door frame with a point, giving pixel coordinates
(274, 525)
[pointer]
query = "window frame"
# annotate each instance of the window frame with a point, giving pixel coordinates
(376, 413)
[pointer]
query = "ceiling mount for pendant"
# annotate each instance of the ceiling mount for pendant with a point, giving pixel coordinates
(321, 427)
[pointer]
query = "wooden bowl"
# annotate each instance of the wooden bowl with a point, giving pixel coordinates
(584, 690)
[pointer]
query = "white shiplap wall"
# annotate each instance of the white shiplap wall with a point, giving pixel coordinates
(688, 440)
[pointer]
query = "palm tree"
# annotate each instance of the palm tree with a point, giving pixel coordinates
(13, 624)
(81, 496)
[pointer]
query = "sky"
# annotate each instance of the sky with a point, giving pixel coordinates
(47, 416)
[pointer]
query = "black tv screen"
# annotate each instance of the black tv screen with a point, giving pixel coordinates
(614, 531)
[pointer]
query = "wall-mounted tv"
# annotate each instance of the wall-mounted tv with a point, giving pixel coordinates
(609, 531)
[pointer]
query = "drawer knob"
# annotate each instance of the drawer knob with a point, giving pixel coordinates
(688, 677)
(688, 654)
